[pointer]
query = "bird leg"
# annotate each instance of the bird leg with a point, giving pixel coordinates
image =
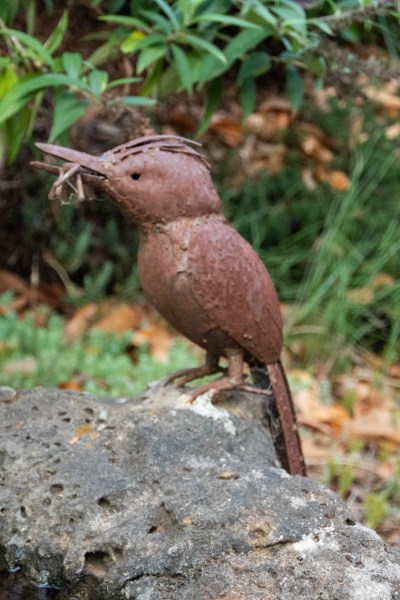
(233, 381)
(210, 367)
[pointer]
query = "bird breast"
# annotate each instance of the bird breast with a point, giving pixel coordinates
(208, 282)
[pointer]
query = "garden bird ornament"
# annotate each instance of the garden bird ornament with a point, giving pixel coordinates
(199, 273)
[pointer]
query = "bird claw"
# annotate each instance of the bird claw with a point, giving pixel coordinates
(187, 375)
(226, 385)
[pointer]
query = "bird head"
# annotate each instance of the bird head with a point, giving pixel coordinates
(154, 179)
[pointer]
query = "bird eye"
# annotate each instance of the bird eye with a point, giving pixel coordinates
(135, 175)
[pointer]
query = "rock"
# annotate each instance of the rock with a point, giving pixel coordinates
(155, 499)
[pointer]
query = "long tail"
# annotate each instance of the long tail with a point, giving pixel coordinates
(294, 455)
(286, 438)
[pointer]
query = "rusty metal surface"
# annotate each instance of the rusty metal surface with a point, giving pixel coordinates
(200, 274)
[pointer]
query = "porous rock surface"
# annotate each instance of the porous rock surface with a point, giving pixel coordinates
(155, 499)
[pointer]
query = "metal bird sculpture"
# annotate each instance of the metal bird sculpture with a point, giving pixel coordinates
(199, 273)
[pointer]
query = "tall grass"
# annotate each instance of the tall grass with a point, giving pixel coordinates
(340, 270)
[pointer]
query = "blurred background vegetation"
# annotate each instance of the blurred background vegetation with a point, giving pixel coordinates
(297, 106)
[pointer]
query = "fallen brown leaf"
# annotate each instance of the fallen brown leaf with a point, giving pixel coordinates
(229, 129)
(313, 148)
(11, 282)
(375, 425)
(120, 318)
(158, 337)
(80, 321)
(337, 180)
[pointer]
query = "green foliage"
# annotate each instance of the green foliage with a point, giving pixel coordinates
(356, 245)
(322, 249)
(31, 355)
(375, 508)
(29, 71)
(185, 45)
(176, 45)
(342, 473)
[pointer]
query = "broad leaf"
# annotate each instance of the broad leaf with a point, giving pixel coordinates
(238, 46)
(149, 56)
(254, 65)
(198, 42)
(27, 86)
(97, 81)
(8, 79)
(158, 20)
(183, 67)
(68, 109)
(138, 40)
(169, 12)
(72, 63)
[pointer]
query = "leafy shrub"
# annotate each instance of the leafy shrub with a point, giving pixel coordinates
(176, 45)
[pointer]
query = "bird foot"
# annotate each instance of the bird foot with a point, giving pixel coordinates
(187, 375)
(225, 385)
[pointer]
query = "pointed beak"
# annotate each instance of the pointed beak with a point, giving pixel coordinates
(91, 169)
(93, 163)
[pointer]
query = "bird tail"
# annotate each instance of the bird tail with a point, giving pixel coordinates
(286, 437)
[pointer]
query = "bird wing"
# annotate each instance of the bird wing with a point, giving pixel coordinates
(232, 285)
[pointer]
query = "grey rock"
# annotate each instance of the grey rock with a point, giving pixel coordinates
(157, 499)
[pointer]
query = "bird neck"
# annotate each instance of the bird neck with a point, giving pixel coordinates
(182, 223)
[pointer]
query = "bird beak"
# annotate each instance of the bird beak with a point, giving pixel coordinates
(79, 169)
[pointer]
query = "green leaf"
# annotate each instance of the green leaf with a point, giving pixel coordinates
(158, 20)
(287, 9)
(123, 81)
(316, 64)
(263, 12)
(226, 20)
(182, 66)
(198, 42)
(292, 15)
(97, 81)
(57, 36)
(294, 87)
(27, 86)
(169, 12)
(149, 56)
(68, 109)
(8, 79)
(17, 129)
(237, 47)
(254, 65)
(39, 51)
(321, 24)
(212, 101)
(72, 63)
(151, 83)
(103, 54)
(138, 101)
(188, 9)
(247, 95)
(126, 21)
(135, 42)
